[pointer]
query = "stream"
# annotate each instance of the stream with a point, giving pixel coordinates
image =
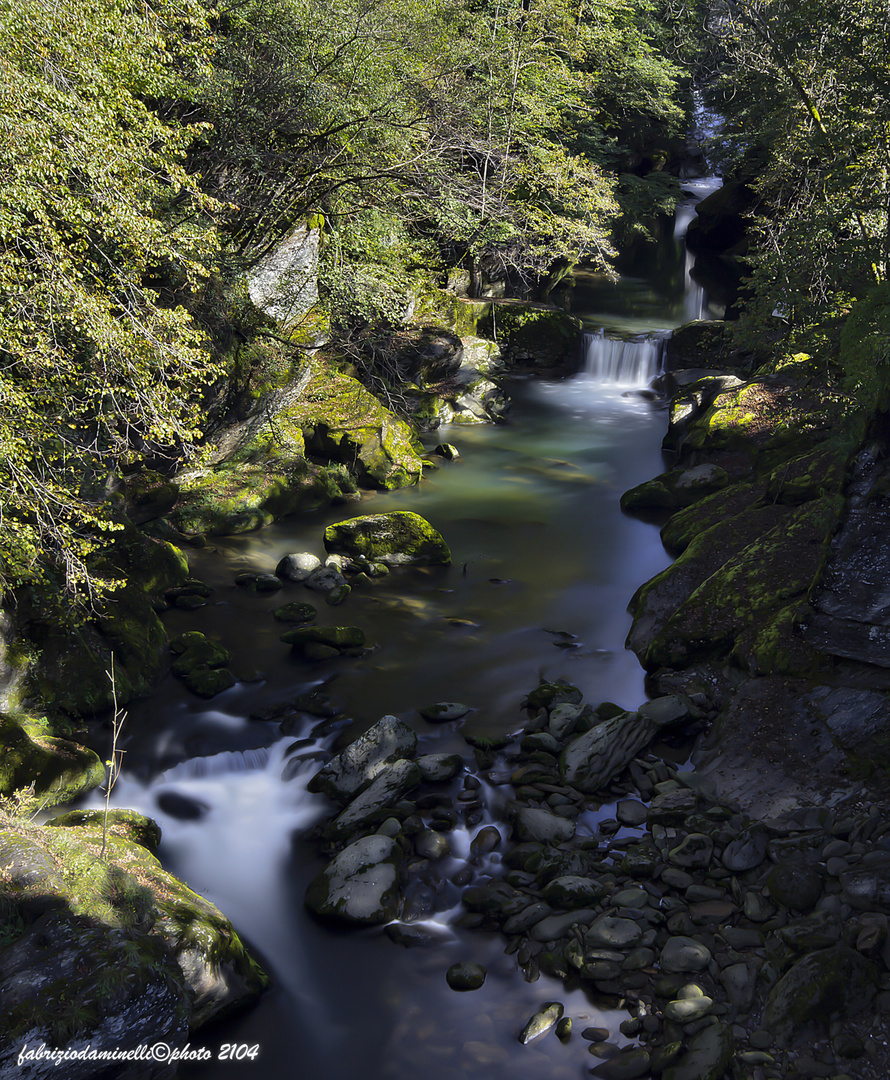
(544, 564)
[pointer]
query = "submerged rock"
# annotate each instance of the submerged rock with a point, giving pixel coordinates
(400, 537)
(360, 885)
(465, 976)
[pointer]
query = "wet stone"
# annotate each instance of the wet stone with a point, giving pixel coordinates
(297, 567)
(610, 931)
(694, 851)
(672, 807)
(747, 851)
(626, 1065)
(707, 1056)
(432, 845)
(630, 812)
(794, 885)
(687, 1010)
(542, 1021)
(595, 1034)
(257, 582)
(684, 954)
(465, 976)
(678, 879)
(571, 891)
(557, 926)
(487, 839)
(564, 720)
(436, 768)
(540, 826)
(630, 898)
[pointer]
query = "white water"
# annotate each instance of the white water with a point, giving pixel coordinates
(631, 363)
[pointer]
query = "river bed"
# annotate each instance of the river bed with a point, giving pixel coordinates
(544, 564)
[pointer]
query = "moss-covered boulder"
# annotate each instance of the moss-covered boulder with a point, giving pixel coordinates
(59, 769)
(114, 951)
(73, 659)
(397, 538)
(747, 605)
(342, 422)
(320, 642)
(674, 489)
(768, 422)
(201, 664)
(534, 337)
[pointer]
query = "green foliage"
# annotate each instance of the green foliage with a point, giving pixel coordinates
(96, 210)
(806, 91)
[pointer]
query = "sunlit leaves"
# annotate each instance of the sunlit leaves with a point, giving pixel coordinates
(94, 199)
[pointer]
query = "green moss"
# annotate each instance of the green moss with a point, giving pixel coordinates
(398, 537)
(434, 306)
(754, 588)
(693, 521)
(769, 423)
(59, 769)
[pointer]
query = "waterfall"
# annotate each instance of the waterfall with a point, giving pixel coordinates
(616, 361)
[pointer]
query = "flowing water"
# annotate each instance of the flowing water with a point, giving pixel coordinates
(544, 564)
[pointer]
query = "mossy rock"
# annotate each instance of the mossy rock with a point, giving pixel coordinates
(201, 664)
(832, 984)
(769, 423)
(295, 612)
(675, 489)
(208, 682)
(397, 538)
(434, 306)
(73, 660)
(752, 587)
(683, 527)
(343, 422)
(59, 769)
(194, 650)
(242, 496)
(129, 889)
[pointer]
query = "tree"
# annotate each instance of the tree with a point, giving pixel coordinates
(96, 366)
(809, 86)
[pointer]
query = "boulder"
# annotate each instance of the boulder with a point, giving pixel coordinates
(831, 984)
(590, 760)
(542, 827)
(708, 1055)
(354, 768)
(397, 538)
(360, 885)
(152, 958)
(372, 804)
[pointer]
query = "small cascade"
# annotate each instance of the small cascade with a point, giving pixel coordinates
(619, 362)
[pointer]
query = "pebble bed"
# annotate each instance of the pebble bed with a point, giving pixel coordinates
(735, 948)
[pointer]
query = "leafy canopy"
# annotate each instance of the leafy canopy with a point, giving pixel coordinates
(95, 366)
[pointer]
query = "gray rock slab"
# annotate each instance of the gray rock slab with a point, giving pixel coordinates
(360, 885)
